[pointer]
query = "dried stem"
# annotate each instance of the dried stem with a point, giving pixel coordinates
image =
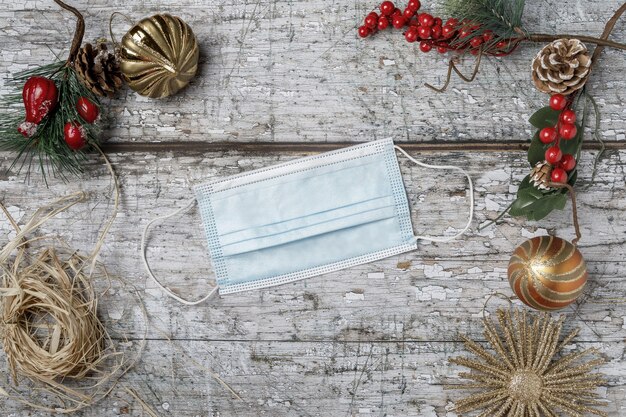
(452, 67)
(572, 195)
(78, 33)
(543, 37)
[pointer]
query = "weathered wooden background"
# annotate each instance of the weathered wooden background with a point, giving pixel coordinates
(369, 341)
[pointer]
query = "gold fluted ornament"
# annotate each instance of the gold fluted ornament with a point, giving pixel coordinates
(547, 273)
(159, 55)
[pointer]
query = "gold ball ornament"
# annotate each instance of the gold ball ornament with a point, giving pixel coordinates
(547, 273)
(159, 56)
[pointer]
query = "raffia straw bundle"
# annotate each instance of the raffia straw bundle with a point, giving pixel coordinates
(49, 325)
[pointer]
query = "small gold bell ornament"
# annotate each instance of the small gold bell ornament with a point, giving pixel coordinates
(159, 56)
(546, 272)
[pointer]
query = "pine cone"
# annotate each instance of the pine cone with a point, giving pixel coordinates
(561, 67)
(98, 69)
(540, 175)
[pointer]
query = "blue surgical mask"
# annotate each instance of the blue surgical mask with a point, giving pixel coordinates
(306, 217)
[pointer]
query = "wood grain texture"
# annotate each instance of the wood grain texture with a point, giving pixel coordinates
(281, 79)
(386, 328)
(296, 71)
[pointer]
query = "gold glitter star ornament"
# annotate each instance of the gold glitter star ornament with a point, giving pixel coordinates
(526, 373)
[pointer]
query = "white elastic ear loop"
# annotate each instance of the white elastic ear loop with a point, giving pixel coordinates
(145, 259)
(471, 197)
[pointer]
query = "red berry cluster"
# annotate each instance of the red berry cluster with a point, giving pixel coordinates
(431, 31)
(564, 129)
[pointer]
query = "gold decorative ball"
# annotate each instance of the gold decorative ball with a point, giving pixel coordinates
(159, 55)
(547, 273)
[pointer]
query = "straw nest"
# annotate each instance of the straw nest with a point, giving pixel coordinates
(59, 353)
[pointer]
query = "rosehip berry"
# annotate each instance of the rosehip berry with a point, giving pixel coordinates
(371, 21)
(547, 135)
(425, 47)
(411, 34)
(437, 21)
(424, 32)
(558, 102)
(567, 131)
(387, 7)
(414, 5)
(476, 42)
(559, 176)
(568, 162)
(436, 32)
(364, 31)
(568, 116)
(448, 31)
(554, 155)
(74, 135)
(398, 21)
(442, 49)
(426, 20)
(383, 23)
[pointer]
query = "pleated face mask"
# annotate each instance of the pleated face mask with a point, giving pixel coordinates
(306, 217)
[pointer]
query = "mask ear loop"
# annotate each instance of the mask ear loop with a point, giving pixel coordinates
(145, 259)
(471, 197)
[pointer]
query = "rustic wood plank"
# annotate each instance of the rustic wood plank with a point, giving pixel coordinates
(278, 379)
(441, 293)
(296, 71)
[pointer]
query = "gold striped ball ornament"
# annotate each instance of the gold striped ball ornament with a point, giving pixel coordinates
(159, 55)
(547, 273)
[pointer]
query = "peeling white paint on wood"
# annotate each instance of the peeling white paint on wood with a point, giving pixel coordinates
(371, 340)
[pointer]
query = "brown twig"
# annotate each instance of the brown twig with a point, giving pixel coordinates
(78, 33)
(572, 195)
(544, 37)
(452, 67)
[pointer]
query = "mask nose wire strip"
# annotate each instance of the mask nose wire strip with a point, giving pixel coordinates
(471, 196)
(145, 259)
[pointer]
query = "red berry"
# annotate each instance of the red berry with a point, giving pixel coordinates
(74, 135)
(436, 32)
(567, 131)
(442, 49)
(488, 36)
(452, 22)
(501, 45)
(426, 20)
(424, 32)
(568, 116)
(398, 21)
(448, 31)
(474, 52)
(408, 13)
(476, 42)
(425, 46)
(547, 135)
(568, 162)
(437, 21)
(554, 155)
(371, 21)
(558, 102)
(559, 175)
(387, 7)
(414, 5)
(364, 31)
(383, 23)
(411, 34)
(464, 33)
(396, 12)
(87, 110)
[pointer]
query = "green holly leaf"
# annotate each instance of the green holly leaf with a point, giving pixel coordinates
(536, 151)
(544, 117)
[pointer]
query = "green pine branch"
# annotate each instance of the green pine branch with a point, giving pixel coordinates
(46, 150)
(502, 17)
